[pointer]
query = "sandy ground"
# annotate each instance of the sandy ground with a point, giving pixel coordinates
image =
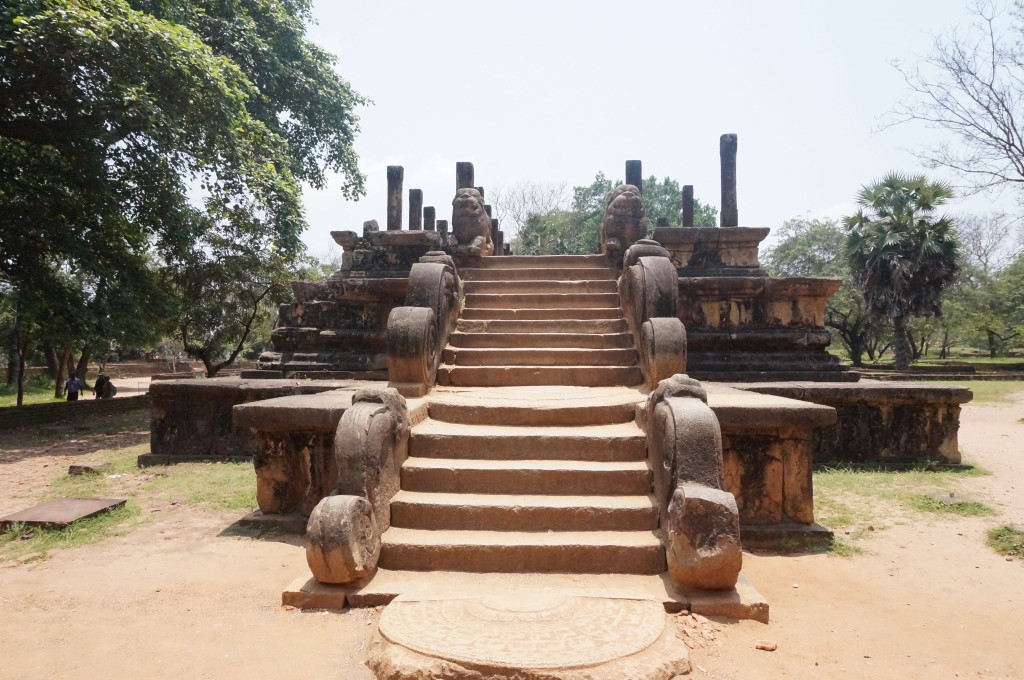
(179, 597)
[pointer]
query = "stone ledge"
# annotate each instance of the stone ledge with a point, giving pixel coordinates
(786, 537)
(153, 459)
(286, 523)
(740, 410)
(864, 389)
(742, 602)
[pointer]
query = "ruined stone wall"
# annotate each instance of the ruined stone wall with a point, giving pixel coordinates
(882, 422)
(192, 419)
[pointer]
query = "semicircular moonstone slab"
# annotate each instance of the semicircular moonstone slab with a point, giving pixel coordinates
(534, 630)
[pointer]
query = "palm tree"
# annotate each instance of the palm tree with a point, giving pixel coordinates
(900, 252)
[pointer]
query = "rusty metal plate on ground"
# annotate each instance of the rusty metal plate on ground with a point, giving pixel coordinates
(61, 512)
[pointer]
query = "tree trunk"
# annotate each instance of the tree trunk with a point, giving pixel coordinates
(21, 344)
(83, 365)
(62, 365)
(901, 344)
(52, 362)
(993, 344)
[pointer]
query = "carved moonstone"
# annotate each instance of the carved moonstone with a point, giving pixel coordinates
(342, 540)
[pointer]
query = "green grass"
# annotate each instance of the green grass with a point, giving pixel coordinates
(841, 548)
(224, 486)
(927, 503)
(1007, 541)
(858, 500)
(987, 391)
(219, 486)
(36, 543)
(38, 390)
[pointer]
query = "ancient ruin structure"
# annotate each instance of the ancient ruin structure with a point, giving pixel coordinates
(649, 409)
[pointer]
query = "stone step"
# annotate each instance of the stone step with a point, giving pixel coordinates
(613, 552)
(613, 442)
(567, 325)
(531, 273)
(595, 313)
(579, 340)
(550, 477)
(538, 356)
(497, 512)
(535, 407)
(555, 262)
(541, 300)
(497, 376)
(556, 287)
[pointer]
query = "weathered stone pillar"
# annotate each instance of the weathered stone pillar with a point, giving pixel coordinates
(488, 209)
(395, 176)
(429, 217)
(688, 205)
(727, 150)
(494, 231)
(415, 209)
(442, 229)
(635, 175)
(481, 190)
(463, 175)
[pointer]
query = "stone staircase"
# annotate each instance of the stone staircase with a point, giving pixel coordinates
(530, 459)
(540, 320)
(526, 480)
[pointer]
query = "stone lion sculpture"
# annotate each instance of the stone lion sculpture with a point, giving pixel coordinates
(625, 221)
(471, 225)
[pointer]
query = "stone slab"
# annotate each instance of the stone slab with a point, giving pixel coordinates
(786, 537)
(527, 635)
(738, 409)
(307, 593)
(61, 512)
(153, 459)
(742, 602)
(286, 523)
(87, 468)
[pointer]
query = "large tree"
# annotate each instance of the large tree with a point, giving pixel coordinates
(971, 86)
(901, 253)
(575, 228)
(135, 136)
(814, 247)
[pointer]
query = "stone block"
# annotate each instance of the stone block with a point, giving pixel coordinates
(754, 474)
(702, 538)
(342, 540)
(88, 468)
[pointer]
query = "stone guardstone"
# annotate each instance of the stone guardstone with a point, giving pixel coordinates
(527, 635)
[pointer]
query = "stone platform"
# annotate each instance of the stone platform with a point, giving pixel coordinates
(742, 602)
(527, 635)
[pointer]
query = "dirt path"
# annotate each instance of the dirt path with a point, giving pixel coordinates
(179, 598)
(928, 600)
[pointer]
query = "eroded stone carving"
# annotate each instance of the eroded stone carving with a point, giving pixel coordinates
(342, 540)
(370, 445)
(419, 331)
(648, 296)
(471, 225)
(700, 521)
(625, 221)
(702, 538)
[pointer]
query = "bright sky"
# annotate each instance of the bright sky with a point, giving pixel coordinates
(559, 90)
